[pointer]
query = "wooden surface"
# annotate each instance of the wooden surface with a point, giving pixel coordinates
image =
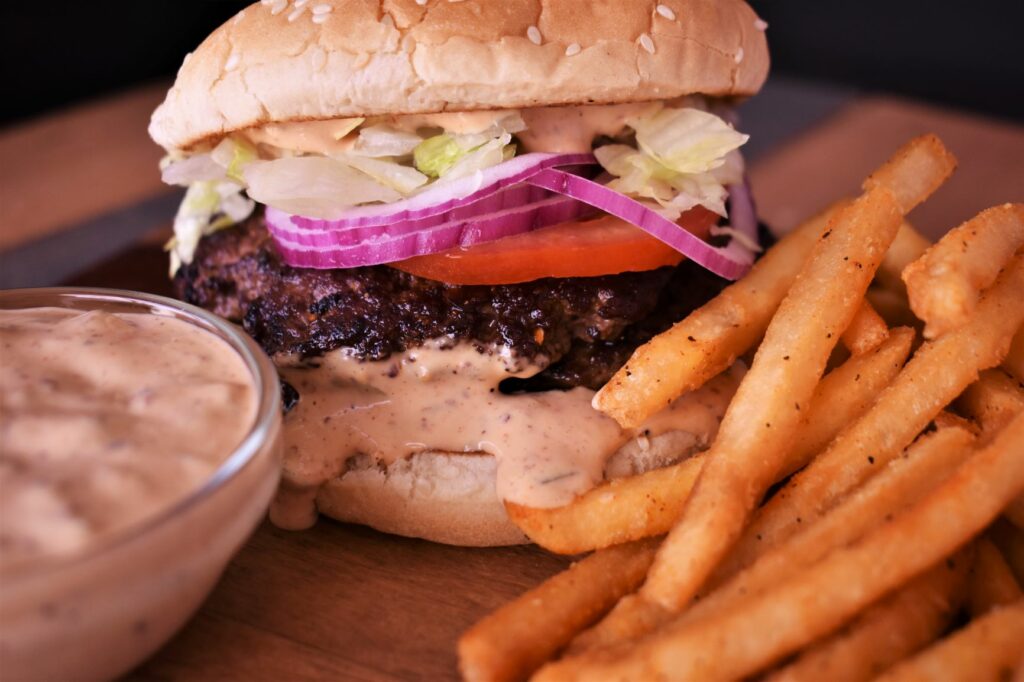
(341, 602)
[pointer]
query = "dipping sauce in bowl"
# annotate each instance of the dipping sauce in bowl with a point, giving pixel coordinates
(139, 447)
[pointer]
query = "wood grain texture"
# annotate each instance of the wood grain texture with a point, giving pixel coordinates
(342, 602)
(62, 169)
(831, 160)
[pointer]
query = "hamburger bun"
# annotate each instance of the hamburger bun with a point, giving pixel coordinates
(273, 63)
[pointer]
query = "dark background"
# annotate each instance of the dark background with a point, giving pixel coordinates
(964, 54)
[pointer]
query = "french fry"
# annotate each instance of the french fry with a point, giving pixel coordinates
(939, 371)
(905, 480)
(929, 461)
(764, 415)
(515, 640)
(750, 448)
(914, 172)
(992, 401)
(887, 632)
(866, 331)
(907, 247)
(987, 649)
(992, 582)
(1014, 362)
(944, 284)
(763, 629)
(614, 512)
(711, 338)
(649, 504)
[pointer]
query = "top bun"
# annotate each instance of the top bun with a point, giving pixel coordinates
(283, 60)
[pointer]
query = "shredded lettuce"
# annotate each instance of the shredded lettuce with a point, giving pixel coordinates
(315, 186)
(435, 155)
(383, 140)
(683, 158)
(208, 206)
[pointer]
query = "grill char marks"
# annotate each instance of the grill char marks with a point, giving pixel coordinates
(587, 327)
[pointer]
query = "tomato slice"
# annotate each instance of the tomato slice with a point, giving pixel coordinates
(604, 245)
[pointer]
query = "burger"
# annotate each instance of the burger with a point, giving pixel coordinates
(450, 222)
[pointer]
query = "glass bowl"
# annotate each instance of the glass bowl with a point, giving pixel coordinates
(97, 613)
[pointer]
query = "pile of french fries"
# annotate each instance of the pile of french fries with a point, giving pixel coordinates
(860, 511)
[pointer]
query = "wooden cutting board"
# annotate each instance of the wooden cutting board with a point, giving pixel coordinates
(341, 602)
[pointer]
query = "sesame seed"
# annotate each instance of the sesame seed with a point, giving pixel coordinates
(296, 13)
(533, 33)
(739, 55)
(646, 43)
(387, 21)
(572, 50)
(421, 2)
(266, 2)
(278, 6)
(232, 62)
(319, 18)
(301, 3)
(666, 11)
(760, 24)
(324, 9)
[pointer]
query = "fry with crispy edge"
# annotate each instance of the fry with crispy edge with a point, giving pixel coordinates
(991, 583)
(992, 401)
(761, 630)
(764, 415)
(927, 462)
(939, 371)
(943, 285)
(887, 632)
(649, 504)
(710, 338)
(518, 638)
(987, 649)
(867, 330)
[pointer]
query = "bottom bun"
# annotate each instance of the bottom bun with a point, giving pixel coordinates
(450, 497)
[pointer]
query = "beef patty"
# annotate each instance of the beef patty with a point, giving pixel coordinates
(585, 326)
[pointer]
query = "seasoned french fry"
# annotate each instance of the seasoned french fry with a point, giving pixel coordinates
(944, 284)
(992, 401)
(614, 512)
(1014, 362)
(866, 330)
(987, 649)
(939, 371)
(649, 504)
(751, 445)
(902, 483)
(930, 460)
(515, 640)
(991, 583)
(914, 172)
(886, 633)
(711, 338)
(908, 246)
(763, 629)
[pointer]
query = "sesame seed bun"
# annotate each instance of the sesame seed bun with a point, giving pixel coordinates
(274, 62)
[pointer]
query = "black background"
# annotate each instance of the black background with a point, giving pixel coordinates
(965, 54)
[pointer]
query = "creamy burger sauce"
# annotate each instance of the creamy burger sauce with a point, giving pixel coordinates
(549, 446)
(548, 129)
(105, 420)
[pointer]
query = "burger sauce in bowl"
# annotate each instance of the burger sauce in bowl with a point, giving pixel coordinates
(124, 493)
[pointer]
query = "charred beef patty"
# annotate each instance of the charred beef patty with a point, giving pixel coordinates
(587, 326)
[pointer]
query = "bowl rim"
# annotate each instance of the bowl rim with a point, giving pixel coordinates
(266, 420)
